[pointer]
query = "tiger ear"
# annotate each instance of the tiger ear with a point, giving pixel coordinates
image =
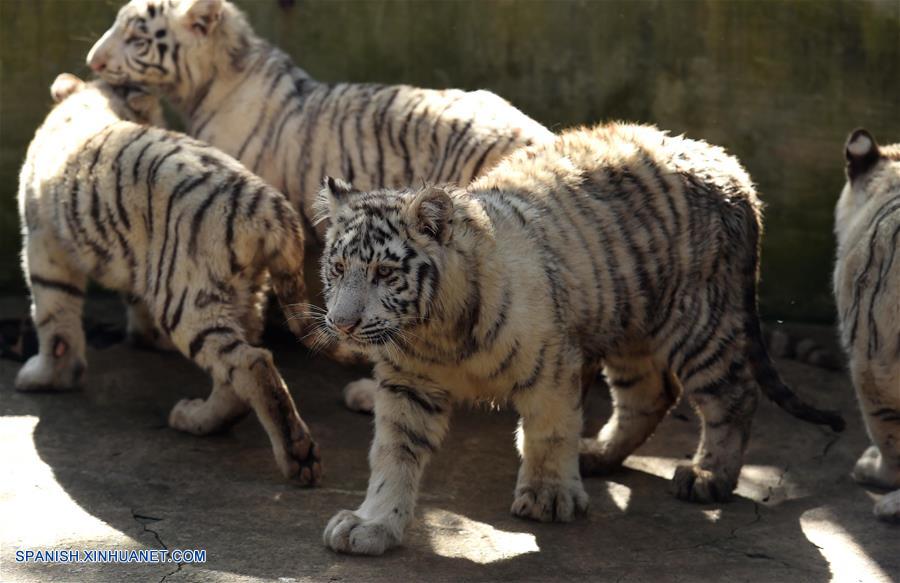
(430, 212)
(65, 85)
(862, 153)
(201, 16)
(332, 196)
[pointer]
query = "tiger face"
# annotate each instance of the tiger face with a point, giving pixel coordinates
(383, 260)
(154, 42)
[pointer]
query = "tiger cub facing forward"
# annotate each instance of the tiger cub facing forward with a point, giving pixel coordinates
(178, 225)
(867, 290)
(617, 245)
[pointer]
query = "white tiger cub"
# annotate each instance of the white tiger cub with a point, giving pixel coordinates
(617, 245)
(247, 98)
(180, 226)
(867, 290)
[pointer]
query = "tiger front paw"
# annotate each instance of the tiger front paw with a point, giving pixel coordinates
(347, 532)
(359, 395)
(594, 459)
(300, 460)
(201, 417)
(556, 501)
(695, 484)
(61, 371)
(872, 470)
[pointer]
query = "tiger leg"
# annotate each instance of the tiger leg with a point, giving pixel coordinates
(410, 424)
(244, 374)
(642, 395)
(222, 409)
(549, 485)
(57, 300)
(286, 276)
(253, 314)
(879, 399)
(593, 384)
(724, 394)
(141, 329)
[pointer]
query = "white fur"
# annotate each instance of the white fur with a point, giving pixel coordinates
(503, 294)
(873, 470)
(229, 84)
(860, 146)
(248, 99)
(867, 293)
(888, 508)
(186, 232)
(360, 395)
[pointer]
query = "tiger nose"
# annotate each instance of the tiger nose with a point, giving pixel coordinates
(345, 326)
(96, 58)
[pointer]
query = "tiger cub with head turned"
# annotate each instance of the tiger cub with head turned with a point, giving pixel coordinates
(247, 98)
(867, 290)
(617, 245)
(177, 224)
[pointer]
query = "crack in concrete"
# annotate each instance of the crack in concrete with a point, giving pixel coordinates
(778, 484)
(167, 575)
(756, 519)
(731, 535)
(828, 446)
(144, 520)
(768, 558)
(719, 543)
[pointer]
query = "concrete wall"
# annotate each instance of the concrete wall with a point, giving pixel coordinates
(779, 83)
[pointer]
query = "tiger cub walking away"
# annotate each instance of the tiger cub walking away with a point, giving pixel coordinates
(178, 225)
(867, 290)
(618, 244)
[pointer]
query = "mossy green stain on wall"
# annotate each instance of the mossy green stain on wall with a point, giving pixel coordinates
(778, 83)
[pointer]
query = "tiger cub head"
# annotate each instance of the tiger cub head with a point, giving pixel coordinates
(872, 170)
(172, 45)
(384, 259)
(124, 102)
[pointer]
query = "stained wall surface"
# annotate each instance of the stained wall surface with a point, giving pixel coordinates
(778, 83)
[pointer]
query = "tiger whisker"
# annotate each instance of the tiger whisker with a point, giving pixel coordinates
(299, 315)
(305, 305)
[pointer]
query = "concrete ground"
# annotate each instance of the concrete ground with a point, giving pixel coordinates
(99, 469)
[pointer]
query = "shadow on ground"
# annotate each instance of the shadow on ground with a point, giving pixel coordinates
(100, 469)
